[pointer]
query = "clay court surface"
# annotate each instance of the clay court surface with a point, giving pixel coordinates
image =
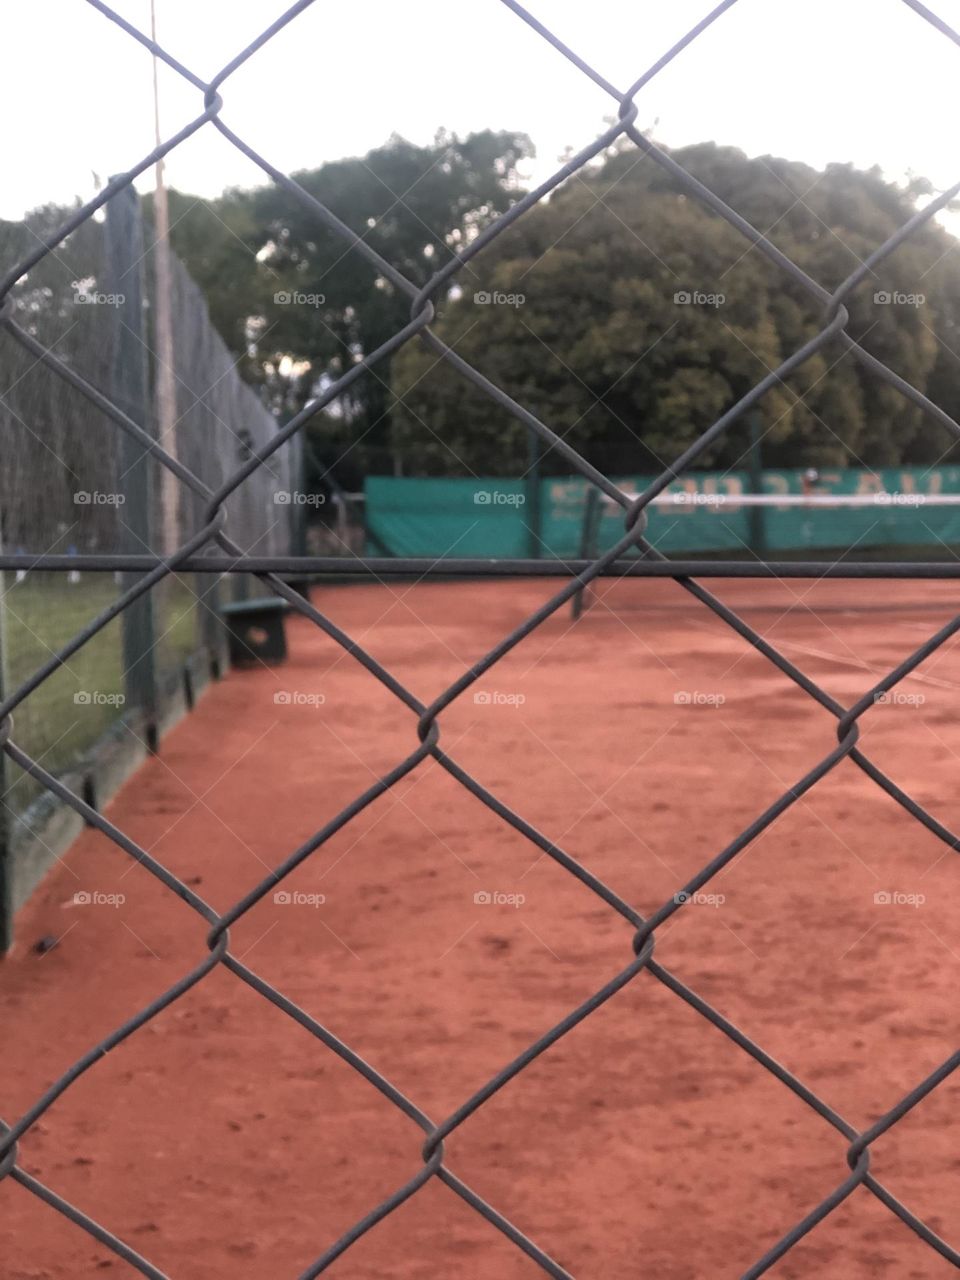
(224, 1142)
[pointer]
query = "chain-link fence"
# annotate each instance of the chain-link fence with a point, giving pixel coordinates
(208, 494)
(72, 484)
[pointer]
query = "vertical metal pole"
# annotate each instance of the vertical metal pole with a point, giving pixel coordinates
(130, 390)
(589, 543)
(166, 385)
(534, 506)
(238, 584)
(758, 516)
(211, 593)
(6, 826)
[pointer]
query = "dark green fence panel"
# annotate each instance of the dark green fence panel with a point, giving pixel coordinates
(485, 517)
(446, 517)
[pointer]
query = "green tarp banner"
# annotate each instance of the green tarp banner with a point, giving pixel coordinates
(466, 517)
(447, 517)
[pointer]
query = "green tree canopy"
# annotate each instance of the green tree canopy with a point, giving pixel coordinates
(250, 250)
(606, 352)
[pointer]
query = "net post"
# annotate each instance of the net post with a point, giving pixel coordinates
(533, 498)
(588, 542)
(756, 514)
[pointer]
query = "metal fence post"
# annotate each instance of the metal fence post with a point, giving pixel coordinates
(6, 852)
(209, 592)
(130, 388)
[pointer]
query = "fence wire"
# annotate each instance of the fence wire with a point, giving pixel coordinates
(66, 487)
(210, 533)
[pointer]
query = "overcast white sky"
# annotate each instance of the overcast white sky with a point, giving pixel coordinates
(866, 81)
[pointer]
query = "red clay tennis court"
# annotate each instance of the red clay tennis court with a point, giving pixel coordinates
(221, 1139)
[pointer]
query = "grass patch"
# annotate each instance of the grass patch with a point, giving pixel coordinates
(41, 615)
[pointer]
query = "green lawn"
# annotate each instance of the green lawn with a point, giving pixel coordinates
(42, 614)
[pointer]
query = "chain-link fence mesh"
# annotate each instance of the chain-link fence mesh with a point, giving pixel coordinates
(207, 492)
(64, 485)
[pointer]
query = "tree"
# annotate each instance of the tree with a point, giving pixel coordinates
(644, 316)
(252, 250)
